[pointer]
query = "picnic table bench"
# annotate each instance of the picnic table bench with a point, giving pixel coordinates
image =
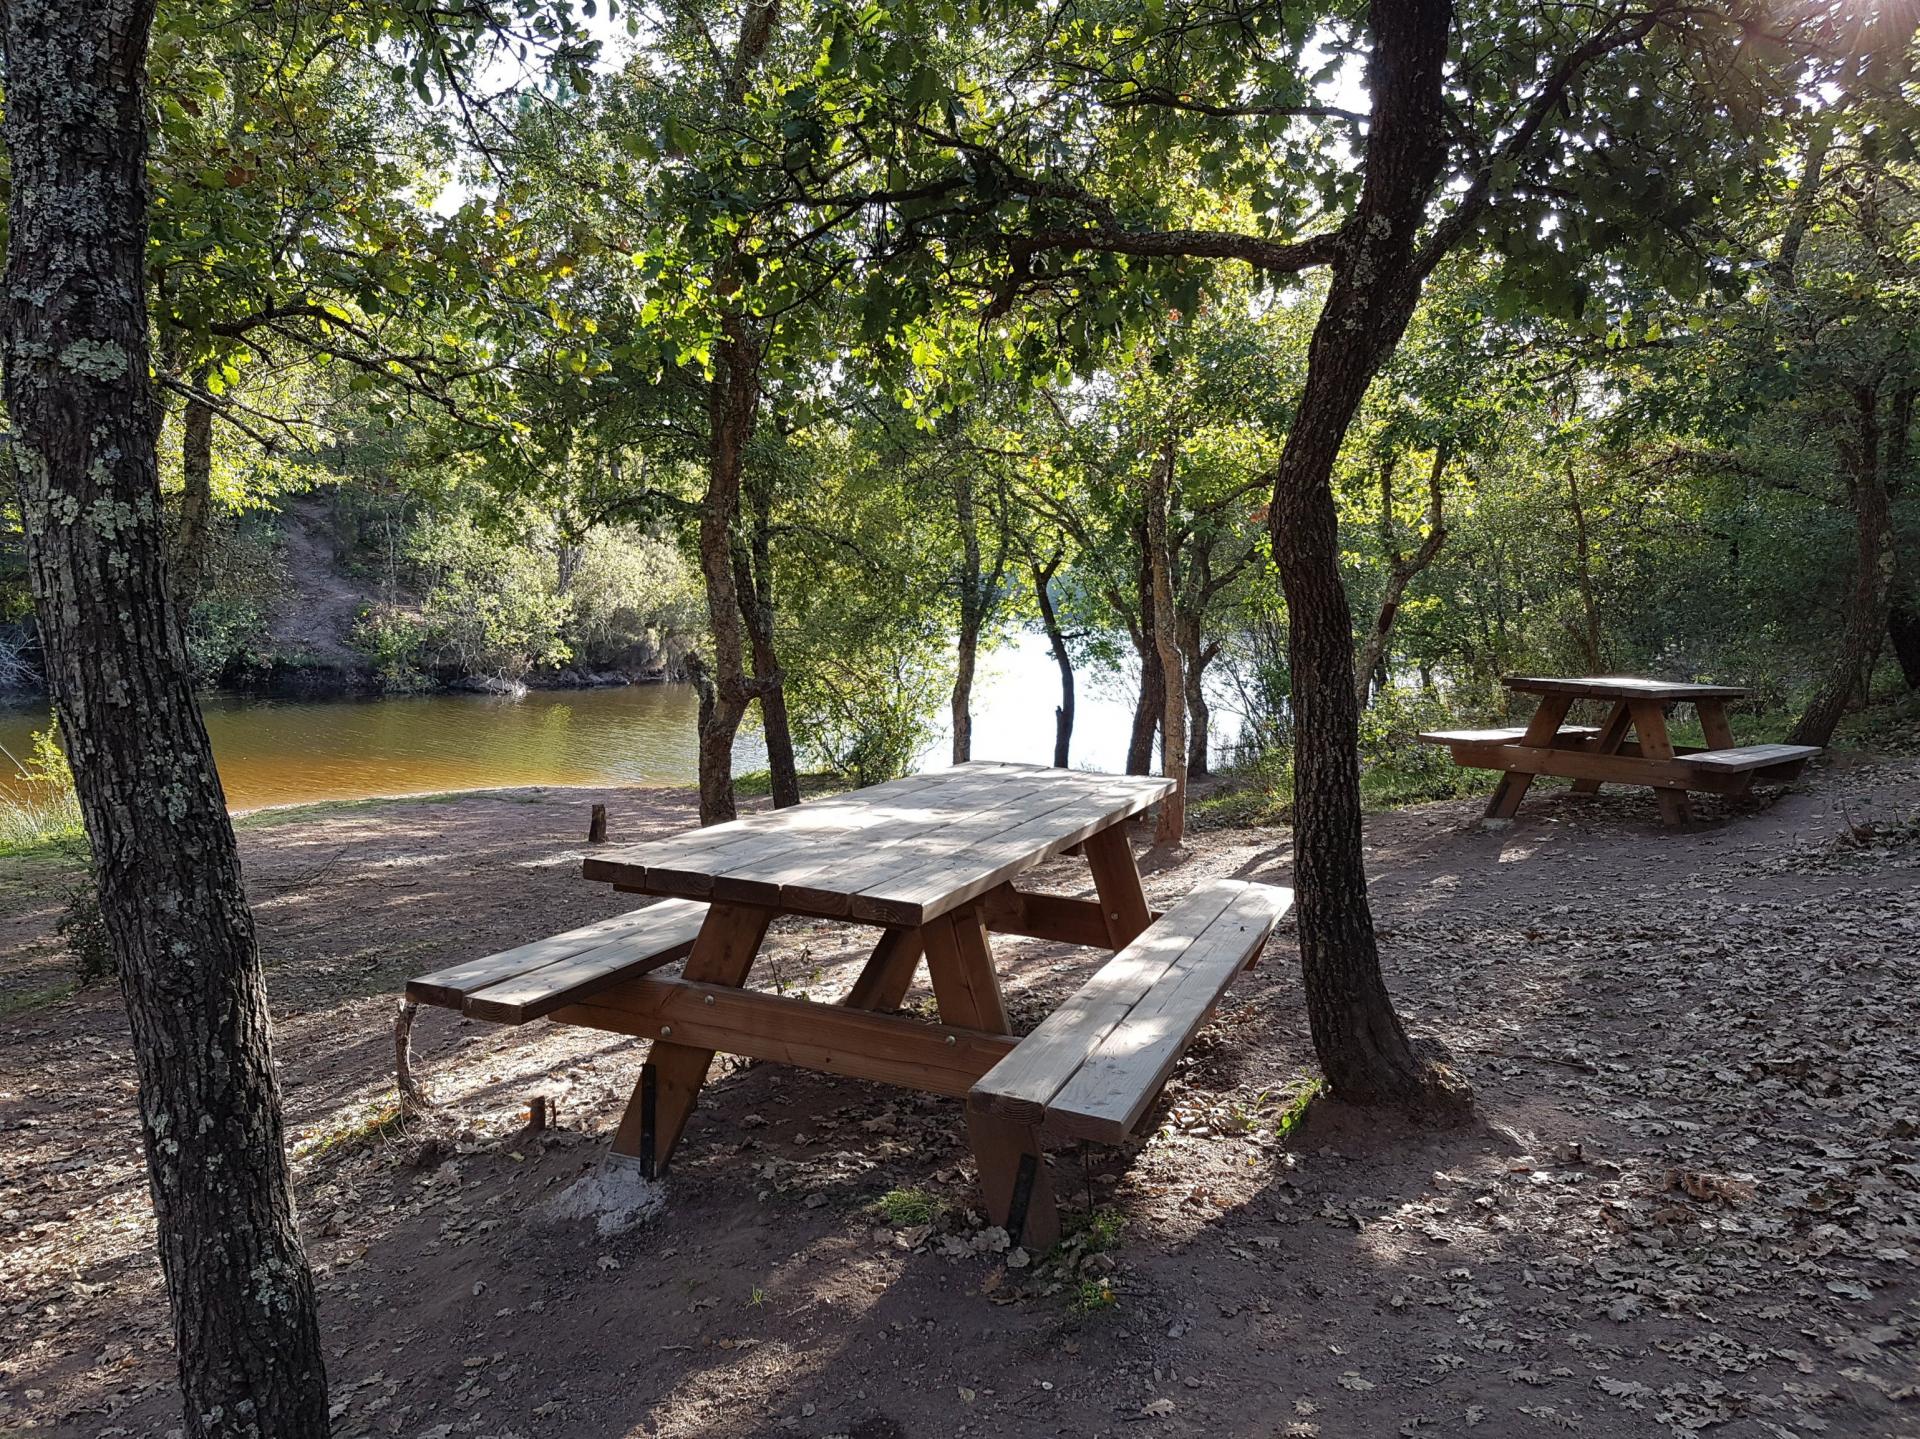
(931, 861)
(1632, 747)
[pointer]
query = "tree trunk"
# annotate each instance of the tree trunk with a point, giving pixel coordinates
(1172, 826)
(247, 1341)
(977, 586)
(1903, 629)
(733, 405)
(194, 534)
(1583, 557)
(1402, 570)
(1057, 640)
(966, 658)
(753, 572)
(1198, 655)
(1363, 1049)
(1149, 709)
(1869, 602)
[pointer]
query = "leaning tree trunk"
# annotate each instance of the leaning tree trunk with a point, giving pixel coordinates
(1057, 639)
(247, 1341)
(733, 405)
(1868, 602)
(1362, 1046)
(1172, 826)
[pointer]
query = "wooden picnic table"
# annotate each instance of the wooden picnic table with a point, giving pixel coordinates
(1632, 746)
(931, 861)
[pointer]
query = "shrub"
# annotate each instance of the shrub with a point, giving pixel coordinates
(634, 598)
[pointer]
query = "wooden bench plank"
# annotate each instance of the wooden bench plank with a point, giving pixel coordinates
(1754, 756)
(535, 993)
(1120, 1080)
(665, 925)
(1020, 1086)
(1502, 736)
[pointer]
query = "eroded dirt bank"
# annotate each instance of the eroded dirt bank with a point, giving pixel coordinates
(1691, 1206)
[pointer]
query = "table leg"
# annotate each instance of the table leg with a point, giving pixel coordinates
(1541, 730)
(1116, 879)
(889, 970)
(1650, 727)
(960, 964)
(670, 1080)
(1714, 724)
(1014, 1179)
(1612, 735)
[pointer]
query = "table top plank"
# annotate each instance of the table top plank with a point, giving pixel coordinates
(1620, 687)
(955, 831)
(934, 886)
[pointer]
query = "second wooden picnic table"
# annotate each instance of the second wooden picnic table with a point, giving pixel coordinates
(1633, 745)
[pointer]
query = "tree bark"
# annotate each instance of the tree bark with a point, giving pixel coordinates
(753, 571)
(733, 405)
(194, 533)
(1362, 1046)
(1402, 569)
(1172, 826)
(1057, 640)
(246, 1337)
(1870, 598)
(1903, 629)
(1149, 708)
(1583, 558)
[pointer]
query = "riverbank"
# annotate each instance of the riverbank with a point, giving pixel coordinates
(1689, 1203)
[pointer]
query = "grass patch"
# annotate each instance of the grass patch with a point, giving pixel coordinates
(1097, 1231)
(1296, 1108)
(759, 784)
(903, 1208)
(1094, 1295)
(378, 1121)
(25, 1001)
(39, 824)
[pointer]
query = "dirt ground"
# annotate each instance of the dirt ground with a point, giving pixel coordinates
(1692, 1204)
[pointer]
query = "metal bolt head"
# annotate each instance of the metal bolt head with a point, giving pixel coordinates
(665, 1030)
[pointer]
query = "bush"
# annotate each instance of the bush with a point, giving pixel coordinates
(490, 608)
(635, 601)
(867, 713)
(227, 628)
(1395, 767)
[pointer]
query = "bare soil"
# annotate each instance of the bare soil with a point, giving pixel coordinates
(1692, 1204)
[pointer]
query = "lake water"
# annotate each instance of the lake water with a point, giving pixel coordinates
(287, 752)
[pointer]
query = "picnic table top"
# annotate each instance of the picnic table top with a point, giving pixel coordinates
(1621, 687)
(898, 853)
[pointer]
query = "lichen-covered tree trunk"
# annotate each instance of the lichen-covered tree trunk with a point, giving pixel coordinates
(82, 408)
(1362, 1046)
(733, 406)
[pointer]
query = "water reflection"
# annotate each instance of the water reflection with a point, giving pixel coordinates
(287, 752)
